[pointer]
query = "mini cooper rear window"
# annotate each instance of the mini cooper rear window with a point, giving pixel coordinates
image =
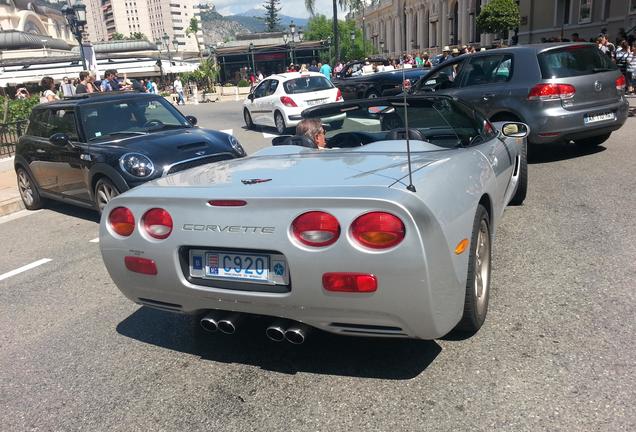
(574, 60)
(307, 84)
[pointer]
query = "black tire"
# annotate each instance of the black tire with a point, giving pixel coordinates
(522, 186)
(593, 141)
(105, 190)
(28, 190)
(372, 94)
(477, 292)
(337, 124)
(248, 119)
(279, 121)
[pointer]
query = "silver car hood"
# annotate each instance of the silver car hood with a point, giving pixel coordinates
(289, 166)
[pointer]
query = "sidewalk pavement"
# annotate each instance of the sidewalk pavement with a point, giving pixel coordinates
(10, 200)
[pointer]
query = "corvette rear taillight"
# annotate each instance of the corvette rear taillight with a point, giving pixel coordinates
(316, 229)
(140, 265)
(121, 221)
(158, 223)
(288, 102)
(551, 91)
(378, 230)
(339, 96)
(350, 282)
(620, 83)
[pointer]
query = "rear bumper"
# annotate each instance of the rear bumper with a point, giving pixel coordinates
(556, 124)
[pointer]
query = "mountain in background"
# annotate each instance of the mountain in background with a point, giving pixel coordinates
(253, 19)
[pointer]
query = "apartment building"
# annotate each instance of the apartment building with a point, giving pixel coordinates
(153, 18)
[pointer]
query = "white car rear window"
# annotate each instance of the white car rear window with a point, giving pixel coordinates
(307, 85)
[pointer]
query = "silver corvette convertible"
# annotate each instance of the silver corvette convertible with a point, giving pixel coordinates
(387, 232)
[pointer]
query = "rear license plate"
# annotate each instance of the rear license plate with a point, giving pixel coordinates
(246, 267)
(594, 118)
(316, 102)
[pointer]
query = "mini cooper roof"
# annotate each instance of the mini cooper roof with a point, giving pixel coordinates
(88, 98)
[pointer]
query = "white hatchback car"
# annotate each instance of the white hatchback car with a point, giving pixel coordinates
(279, 99)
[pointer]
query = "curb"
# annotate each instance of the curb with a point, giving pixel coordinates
(11, 205)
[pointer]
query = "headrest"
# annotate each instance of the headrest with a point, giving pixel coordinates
(400, 134)
(298, 140)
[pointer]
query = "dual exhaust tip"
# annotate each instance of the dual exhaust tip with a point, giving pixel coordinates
(279, 331)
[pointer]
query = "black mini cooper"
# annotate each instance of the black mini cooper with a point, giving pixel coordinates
(86, 150)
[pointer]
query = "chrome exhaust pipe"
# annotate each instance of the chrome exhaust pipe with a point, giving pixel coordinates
(210, 322)
(276, 331)
(297, 334)
(228, 325)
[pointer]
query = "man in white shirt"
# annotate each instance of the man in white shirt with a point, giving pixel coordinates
(178, 88)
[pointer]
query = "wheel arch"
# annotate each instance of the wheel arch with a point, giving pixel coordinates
(104, 171)
(486, 201)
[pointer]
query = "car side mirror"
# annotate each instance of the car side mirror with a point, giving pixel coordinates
(60, 139)
(515, 130)
(192, 119)
(251, 97)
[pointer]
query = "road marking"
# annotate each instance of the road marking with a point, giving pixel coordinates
(228, 131)
(95, 240)
(268, 135)
(24, 268)
(17, 215)
(366, 122)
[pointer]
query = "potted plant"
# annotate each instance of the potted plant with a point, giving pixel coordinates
(244, 87)
(229, 89)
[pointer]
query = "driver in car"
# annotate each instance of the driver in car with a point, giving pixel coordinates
(312, 129)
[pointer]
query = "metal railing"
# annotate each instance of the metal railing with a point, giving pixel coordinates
(9, 135)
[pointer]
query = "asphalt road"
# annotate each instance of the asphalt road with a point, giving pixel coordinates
(557, 351)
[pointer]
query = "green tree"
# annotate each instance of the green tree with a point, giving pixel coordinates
(193, 29)
(117, 36)
(319, 28)
(272, 20)
(137, 36)
(205, 75)
(499, 16)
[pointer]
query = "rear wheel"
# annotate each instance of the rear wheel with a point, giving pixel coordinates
(28, 190)
(105, 190)
(248, 119)
(478, 280)
(522, 185)
(279, 121)
(593, 141)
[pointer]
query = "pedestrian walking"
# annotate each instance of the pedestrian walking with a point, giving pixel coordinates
(178, 88)
(624, 57)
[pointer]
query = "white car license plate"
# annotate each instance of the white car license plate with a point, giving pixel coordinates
(598, 117)
(237, 266)
(315, 102)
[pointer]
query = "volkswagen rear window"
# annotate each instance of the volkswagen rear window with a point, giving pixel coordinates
(575, 60)
(307, 84)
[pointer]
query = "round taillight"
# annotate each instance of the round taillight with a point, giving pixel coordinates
(122, 221)
(316, 229)
(378, 230)
(157, 223)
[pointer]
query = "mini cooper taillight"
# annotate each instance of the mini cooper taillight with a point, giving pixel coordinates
(121, 221)
(316, 229)
(157, 223)
(378, 230)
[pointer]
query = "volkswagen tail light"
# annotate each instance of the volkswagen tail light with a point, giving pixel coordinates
(316, 228)
(620, 83)
(350, 282)
(121, 221)
(158, 223)
(288, 102)
(551, 91)
(339, 96)
(378, 230)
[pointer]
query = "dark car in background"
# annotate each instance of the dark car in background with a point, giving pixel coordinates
(87, 149)
(563, 91)
(367, 85)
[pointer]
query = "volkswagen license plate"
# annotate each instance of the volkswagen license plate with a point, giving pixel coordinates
(594, 118)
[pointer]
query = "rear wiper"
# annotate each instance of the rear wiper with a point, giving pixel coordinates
(119, 133)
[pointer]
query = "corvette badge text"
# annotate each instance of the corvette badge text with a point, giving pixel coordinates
(230, 228)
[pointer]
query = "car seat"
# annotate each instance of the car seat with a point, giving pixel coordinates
(298, 140)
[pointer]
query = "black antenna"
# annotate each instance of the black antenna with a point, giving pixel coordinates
(406, 125)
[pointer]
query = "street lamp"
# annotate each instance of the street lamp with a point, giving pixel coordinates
(353, 35)
(290, 38)
(158, 43)
(175, 42)
(76, 17)
(382, 46)
(251, 50)
(166, 42)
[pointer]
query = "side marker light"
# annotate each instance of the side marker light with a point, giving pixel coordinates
(461, 246)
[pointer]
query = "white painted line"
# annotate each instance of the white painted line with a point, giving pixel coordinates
(268, 135)
(95, 240)
(24, 268)
(228, 131)
(366, 122)
(17, 215)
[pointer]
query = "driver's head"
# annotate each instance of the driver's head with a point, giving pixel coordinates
(312, 128)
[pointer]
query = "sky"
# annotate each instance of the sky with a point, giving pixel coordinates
(293, 8)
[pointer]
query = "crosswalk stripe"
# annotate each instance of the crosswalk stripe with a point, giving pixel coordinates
(95, 240)
(24, 268)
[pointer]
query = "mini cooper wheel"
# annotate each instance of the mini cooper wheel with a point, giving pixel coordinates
(28, 190)
(279, 121)
(478, 280)
(248, 119)
(105, 190)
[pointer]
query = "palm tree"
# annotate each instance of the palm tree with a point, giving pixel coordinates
(193, 29)
(344, 4)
